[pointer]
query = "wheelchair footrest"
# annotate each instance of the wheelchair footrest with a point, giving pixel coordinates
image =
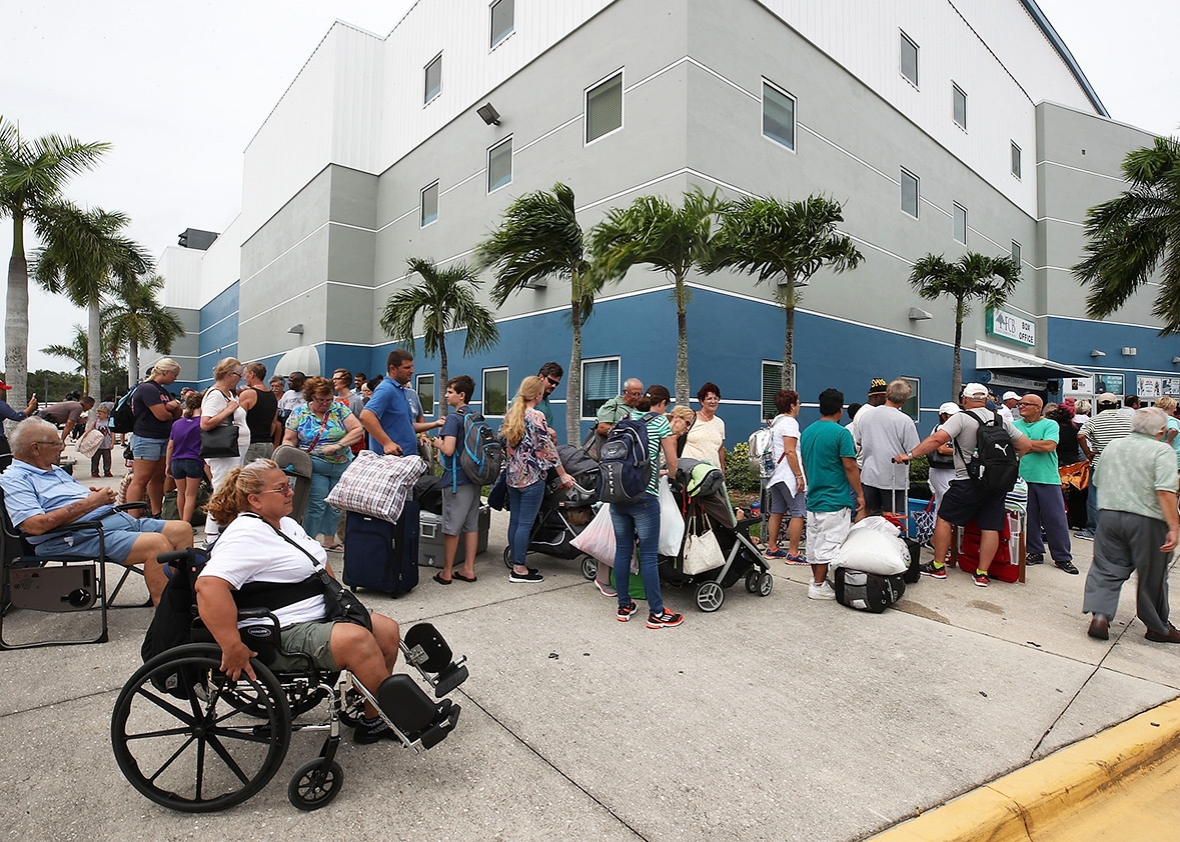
(438, 732)
(426, 648)
(407, 707)
(449, 679)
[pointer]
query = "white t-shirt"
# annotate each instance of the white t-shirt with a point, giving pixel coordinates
(882, 434)
(784, 425)
(214, 403)
(704, 440)
(249, 550)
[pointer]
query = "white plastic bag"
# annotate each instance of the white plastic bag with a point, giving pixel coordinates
(598, 538)
(873, 552)
(671, 523)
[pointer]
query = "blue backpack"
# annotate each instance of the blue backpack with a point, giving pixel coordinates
(479, 452)
(624, 465)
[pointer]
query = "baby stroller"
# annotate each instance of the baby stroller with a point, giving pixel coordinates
(701, 492)
(566, 512)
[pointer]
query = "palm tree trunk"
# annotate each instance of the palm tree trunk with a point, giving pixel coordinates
(442, 369)
(16, 322)
(573, 383)
(681, 344)
(788, 375)
(94, 353)
(132, 363)
(957, 370)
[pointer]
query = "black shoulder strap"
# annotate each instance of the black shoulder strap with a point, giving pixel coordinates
(275, 595)
(955, 441)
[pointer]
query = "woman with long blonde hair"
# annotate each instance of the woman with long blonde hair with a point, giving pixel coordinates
(532, 451)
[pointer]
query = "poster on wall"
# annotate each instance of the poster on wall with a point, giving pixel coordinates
(1112, 383)
(1149, 388)
(1171, 386)
(1077, 387)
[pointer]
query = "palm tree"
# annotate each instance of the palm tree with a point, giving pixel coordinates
(446, 301)
(78, 352)
(135, 318)
(669, 240)
(32, 176)
(84, 257)
(1136, 232)
(539, 239)
(787, 243)
(989, 279)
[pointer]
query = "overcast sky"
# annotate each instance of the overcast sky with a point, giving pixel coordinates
(180, 88)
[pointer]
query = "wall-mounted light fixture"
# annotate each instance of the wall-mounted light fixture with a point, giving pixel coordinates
(917, 314)
(1175, 360)
(1097, 354)
(1130, 352)
(488, 113)
(296, 328)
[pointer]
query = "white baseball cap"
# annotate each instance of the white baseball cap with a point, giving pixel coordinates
(1010, 396)
(949, 408)
(975, 390)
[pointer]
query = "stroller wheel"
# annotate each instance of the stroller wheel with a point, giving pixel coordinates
(752, 581)
(590, 567)
(765, 584)
(508, 557)
(710, 595)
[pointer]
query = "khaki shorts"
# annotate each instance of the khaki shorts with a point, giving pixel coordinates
(311, 638)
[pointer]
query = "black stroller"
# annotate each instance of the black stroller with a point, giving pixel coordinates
(566, 512)
(707, 503)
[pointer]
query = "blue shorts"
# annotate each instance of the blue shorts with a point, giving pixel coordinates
(119, 531)
(188, 469)
(149, 450)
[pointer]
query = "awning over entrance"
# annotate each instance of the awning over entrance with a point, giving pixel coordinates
(1005, 361)
(305, 358)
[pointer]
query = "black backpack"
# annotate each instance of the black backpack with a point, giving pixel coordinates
(123, 418)
(870, 592)
(624, 464)
(994, 466)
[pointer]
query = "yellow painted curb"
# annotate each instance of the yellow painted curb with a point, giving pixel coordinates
(1017, 806)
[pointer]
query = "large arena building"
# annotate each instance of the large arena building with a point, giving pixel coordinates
(943, 126)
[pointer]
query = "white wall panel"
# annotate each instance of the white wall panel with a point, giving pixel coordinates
(181, 269)
(223, 261)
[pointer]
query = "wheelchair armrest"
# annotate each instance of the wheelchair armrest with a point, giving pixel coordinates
(131, 507)
(178, 557)
(76, 526)
(257, 613)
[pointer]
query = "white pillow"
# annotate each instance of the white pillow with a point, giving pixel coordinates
(873, 552)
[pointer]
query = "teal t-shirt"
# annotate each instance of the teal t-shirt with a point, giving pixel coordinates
(658, 429)
(1040, 467)
(824, 445)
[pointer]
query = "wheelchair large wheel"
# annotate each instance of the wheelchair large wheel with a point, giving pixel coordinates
(182, 736)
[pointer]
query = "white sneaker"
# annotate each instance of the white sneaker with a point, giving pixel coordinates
(820, 591)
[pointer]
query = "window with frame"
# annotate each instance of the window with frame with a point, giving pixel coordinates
(1015, 160)
(909, 193)
(429, 204)
(772, 381)
(425, 389)
(604, 107)
(433, 86)
(960, 224)
(503, 14)
(1016, 253)
(778, 115)
(909, 59)
(495, 391)
(959, 100)
(500, 165)
(600, 383)
(912, 406)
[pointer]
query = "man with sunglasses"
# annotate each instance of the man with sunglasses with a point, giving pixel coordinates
(551, 373)
(1046, 505)
(41, 497)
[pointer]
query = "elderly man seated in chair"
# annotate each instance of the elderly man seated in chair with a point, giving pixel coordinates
(41, 497)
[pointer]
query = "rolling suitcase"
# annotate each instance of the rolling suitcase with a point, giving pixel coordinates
(380, 555)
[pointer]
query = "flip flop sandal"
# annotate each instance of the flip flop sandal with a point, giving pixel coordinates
(438, 578)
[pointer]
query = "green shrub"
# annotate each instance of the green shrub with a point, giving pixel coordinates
(919, 469)
(739, 476)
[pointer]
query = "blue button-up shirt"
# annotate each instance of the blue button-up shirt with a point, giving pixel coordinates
(30, 491)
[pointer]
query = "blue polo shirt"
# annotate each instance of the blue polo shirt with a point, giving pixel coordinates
(393, 411)
(30, 491)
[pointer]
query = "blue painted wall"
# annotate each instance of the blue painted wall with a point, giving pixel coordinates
(219, 334)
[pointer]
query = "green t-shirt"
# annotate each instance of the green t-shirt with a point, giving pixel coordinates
(1040, 467)
(824, 445)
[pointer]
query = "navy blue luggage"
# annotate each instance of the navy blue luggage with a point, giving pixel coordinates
(380, 555)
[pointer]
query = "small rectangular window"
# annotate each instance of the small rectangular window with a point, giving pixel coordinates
(425, 390)
(1016, 253)
(960, 105)
(600, 383)
(909, 59)
(433, 78)
(429, 204)
(604, 108)
(960, 223)
(909, 193)
(1015, 160)
(778, 115)
(495, 391)
(500, 165)
(772, 381)
(503, 14)
(912, 404)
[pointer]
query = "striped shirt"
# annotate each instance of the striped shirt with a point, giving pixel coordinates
(1104, 428)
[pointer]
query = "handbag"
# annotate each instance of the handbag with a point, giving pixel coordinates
(701, 552)
(376, 485)
(89, 444)
(498, 495)
(220, 442)
(340, 604)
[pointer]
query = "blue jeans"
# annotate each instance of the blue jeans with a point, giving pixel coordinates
(640, 519)
(320, 517)
(523, 505)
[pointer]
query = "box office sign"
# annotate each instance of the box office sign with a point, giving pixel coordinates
(1010, 326)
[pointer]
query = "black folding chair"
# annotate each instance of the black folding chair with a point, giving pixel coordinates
(55, 585)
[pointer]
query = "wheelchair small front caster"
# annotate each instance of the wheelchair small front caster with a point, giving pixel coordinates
(312, 786)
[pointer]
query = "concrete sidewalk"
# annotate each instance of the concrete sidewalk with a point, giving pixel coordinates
(775, 718)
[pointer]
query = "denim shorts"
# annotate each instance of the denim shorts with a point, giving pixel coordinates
(149, 450)
(120, 530)
(783, 502)
(188, 469)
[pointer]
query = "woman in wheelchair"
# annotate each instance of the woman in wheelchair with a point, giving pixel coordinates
(260, 542)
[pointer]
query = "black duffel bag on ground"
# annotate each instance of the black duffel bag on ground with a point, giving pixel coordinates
(868, 591)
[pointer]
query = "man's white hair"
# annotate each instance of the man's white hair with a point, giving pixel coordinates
(28, 431)
(1149, 421)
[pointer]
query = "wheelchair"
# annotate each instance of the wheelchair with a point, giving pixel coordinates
(189, 738)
